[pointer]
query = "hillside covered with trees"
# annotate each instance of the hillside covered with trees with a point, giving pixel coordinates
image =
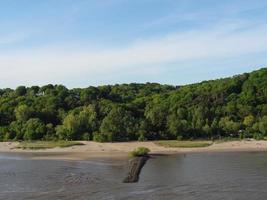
(229, 107)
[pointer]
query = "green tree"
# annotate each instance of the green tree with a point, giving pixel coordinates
(207, 131)
(50, 132)
(70, 128)
(23, 113)
(140, 111)
(75, 125)
(249, 120)
(119, 123)
(229, 126)
(156, 113)
(263, 125)
(21, 90)
(3, 132)
(88, 119)
(34, 129)
(16, 129)
(177, 127)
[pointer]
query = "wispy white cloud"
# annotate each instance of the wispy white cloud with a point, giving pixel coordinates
(224, 12)
(12, 38)
(50, 64)
(173, 19)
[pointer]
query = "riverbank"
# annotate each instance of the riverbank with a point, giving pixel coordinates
(91, 149)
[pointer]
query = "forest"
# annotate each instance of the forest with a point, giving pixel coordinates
(228, 107)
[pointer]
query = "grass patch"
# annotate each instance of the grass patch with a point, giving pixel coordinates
(46, 144)
(183, 144)
(140, 151)
(227, 140)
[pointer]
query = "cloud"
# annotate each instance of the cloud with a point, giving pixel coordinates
(12, 38)
(220, 12)
(173, 19)
(58, 65)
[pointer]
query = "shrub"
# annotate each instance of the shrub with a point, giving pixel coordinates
(103, 137)
(140, 151)
(141, 137)
(258, 136)
(86, 136)
(3, 131)
(179, 137)
(242, 136)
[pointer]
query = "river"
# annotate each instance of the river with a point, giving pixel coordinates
(200, 176)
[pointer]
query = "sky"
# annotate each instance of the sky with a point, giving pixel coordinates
(79, 43)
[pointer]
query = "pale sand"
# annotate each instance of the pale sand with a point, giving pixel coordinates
(121, 149)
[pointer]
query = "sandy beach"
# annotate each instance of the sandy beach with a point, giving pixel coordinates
(121, 149)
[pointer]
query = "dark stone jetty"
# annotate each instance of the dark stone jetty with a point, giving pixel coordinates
(135, 166)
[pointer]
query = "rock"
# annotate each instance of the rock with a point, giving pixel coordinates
(135, 166)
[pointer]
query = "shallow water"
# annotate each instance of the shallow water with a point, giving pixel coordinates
(191, 176)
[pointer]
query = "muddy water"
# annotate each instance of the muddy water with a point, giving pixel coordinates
(191, 176)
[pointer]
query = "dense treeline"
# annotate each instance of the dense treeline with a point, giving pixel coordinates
(230, 107)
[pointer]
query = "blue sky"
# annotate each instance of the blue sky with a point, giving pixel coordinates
(94, 42)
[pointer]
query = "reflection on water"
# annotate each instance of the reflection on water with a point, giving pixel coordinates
(194, 176)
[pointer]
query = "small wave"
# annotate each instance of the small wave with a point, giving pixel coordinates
(10, 157)
(80, 178)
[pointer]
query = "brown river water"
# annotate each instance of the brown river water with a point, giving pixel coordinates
(201, 176)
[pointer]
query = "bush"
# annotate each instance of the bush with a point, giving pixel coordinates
(140, 151)
(1, 138)
(179, 137)
(103, 137)
(141, 137)
(258, 136)
(9, 136)
(3, 131)
(86, 136)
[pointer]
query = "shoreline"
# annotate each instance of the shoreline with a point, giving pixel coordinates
(120, 150)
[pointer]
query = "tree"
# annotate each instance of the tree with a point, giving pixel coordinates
(119, 123)
(207, 131)
(248, 120)
(23, 113)
(70, 128)
(21, 90)
(88, 119)
(16, 129)
(263, 125)
(177, 127)
(34, 129)
(89, 95)
(50, 132)
(156, 113)
(224, 107)
(34, 90)
(229, 126)
(75, 125)
(3, 132)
